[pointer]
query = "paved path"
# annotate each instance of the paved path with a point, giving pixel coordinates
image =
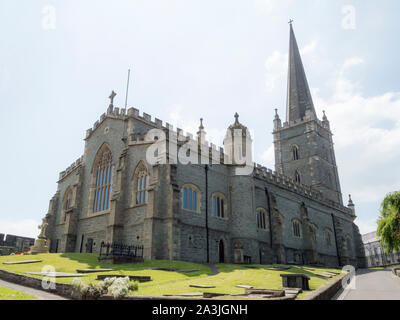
(43, 295)
(373, 284)
(213, 268)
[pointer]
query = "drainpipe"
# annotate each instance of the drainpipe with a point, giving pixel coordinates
(269, 216)
(336, 242)
(208, 245)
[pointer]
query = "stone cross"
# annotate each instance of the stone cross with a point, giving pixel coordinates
(111, 97)
(236, 117)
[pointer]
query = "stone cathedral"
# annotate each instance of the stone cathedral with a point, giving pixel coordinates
(208, 213)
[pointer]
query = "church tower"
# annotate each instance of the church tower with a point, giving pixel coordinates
(303, 144)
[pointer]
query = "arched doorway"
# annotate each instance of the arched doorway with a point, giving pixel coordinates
(221, 251)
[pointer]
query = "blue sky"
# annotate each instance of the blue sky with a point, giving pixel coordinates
(193, 59)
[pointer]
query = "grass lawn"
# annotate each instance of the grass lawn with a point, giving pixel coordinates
(165, 282)
(10, 294)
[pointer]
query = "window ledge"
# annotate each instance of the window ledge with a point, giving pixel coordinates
(97, 214)
(220, 218)
(138, 206)
(191, 211)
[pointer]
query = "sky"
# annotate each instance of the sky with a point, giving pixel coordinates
(60, 60)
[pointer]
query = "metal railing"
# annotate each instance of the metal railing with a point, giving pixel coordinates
(120, 250)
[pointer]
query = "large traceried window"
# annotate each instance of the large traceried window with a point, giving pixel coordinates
(141, 180)
(190, 200)
(261, 219)
(103, 181)
(218, 205)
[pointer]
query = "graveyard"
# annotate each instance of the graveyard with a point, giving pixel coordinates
(175, 279)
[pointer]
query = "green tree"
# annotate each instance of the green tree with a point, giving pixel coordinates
(389, 222)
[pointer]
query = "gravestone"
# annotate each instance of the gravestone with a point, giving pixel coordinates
(295, 280)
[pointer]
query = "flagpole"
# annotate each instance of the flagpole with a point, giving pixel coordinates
(124, 138)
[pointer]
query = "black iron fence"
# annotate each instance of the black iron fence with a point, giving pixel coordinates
(120, 250)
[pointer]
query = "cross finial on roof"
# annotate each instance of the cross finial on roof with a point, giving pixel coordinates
(290, 21)
(236, 118)
(111, 97)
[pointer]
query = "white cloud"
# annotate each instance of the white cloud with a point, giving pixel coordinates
(367, 141)
(277, 63)
(276, 66)
(268, 157)
(367, 129)
(271, 6)
(366, 225)
(25, 227)
(179, 119)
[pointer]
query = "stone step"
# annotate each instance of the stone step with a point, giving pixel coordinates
(22, 262)
(202, 286)
(93, 270)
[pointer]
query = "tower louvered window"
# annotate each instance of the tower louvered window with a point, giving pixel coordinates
(103, 182)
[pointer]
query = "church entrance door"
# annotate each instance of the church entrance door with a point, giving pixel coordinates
(221, 251)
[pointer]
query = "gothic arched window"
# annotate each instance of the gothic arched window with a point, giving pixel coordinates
(141, 180)
(261, 219)
(295, 152)
(67, 202)
(297, 177)
(296, 228)
(103, 174)
(218, 205)
(190, 198)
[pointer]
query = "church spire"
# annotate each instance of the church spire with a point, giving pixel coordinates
(299, 99)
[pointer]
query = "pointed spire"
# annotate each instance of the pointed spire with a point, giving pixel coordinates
(277, 121)
(201, 133)
(324, 117)
(299, 98)
(351, 203)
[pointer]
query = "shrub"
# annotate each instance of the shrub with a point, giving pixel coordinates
(116, 287)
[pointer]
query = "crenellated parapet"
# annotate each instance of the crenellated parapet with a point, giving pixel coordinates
(323, 124)
(71, 168)
(290, 184)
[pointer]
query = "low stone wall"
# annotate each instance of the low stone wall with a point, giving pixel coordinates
(61, 289)
(327, 291)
